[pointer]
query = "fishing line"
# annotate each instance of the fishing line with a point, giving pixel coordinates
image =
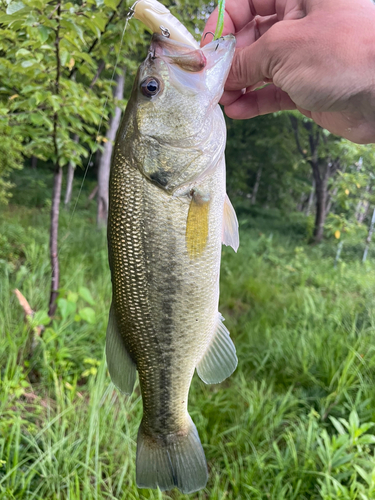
(128, 17)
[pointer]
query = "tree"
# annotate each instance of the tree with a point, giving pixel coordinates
(325, 154)
(10, 159)
(41, 48)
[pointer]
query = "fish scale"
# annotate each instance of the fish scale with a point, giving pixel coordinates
(165, 265)
(158, 297)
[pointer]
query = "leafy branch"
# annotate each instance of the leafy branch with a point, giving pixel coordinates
(96, 40)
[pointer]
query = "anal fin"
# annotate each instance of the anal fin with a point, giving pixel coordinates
(230, 226)
(220, 359)
(121, 367)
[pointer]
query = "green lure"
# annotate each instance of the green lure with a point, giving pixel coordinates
(220, 20)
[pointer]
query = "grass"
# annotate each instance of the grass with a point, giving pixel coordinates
(295, 421)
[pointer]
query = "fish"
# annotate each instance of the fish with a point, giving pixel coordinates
(168, 217)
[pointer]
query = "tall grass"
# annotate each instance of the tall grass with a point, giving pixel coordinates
(295, 421)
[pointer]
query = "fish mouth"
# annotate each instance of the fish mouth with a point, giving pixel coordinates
(192, 60)
(173, 52)
(196, 70)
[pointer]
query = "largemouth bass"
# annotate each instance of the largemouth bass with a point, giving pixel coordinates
(168, 216)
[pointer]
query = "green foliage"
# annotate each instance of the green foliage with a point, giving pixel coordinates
(354, 185)
(269, 162)
(192, 13)
(295, 421)
(49, 56)
(69, 309)
(265, 145)
(52, 92)
(32, 188)
(347, 457)
(340, 226)
(10, 159)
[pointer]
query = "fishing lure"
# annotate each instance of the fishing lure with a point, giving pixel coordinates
(220, 20)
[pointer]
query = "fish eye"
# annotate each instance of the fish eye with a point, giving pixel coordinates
(150, 86)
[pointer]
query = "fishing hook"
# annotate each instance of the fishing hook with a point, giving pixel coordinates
(131, 10)
(208, 32)
(152, 54)
(213, 34)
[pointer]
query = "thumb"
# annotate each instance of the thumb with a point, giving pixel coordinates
(257, 62)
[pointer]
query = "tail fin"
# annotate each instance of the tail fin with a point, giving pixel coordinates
(170, 461)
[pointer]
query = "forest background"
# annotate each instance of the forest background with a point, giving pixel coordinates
(297, 418)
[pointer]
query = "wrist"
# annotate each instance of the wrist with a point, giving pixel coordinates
(369, 97)
(363, 67)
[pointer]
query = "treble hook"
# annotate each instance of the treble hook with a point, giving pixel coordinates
(208, 32)
(131, 10)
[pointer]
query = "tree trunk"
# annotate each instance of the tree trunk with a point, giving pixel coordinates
(256, 186)
(333, 167)
(362, 216)
(69, 184)
(300, 204)
(57, 181)
(330, 199)
(369, 236)
(93, 193)
(54, 231)
(311, 199)
(362, 206)
(105, 161)
(266, 205)
(34, 162)
(358, 210)
(70, 177)
(321, 203)
(320, 215)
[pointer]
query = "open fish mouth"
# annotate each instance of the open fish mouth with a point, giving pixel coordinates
(194, 70)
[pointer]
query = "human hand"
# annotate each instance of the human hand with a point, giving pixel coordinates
(319, 56)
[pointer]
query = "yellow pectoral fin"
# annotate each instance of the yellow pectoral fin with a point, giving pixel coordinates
(197, 226)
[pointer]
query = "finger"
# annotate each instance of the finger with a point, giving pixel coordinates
(230, 96)
(248, 66)
(211, 27)
(258, 61)
(243, 11)
(238, 13)
(254, 30)
(232, 8)
(269, 99)
(256, 85)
